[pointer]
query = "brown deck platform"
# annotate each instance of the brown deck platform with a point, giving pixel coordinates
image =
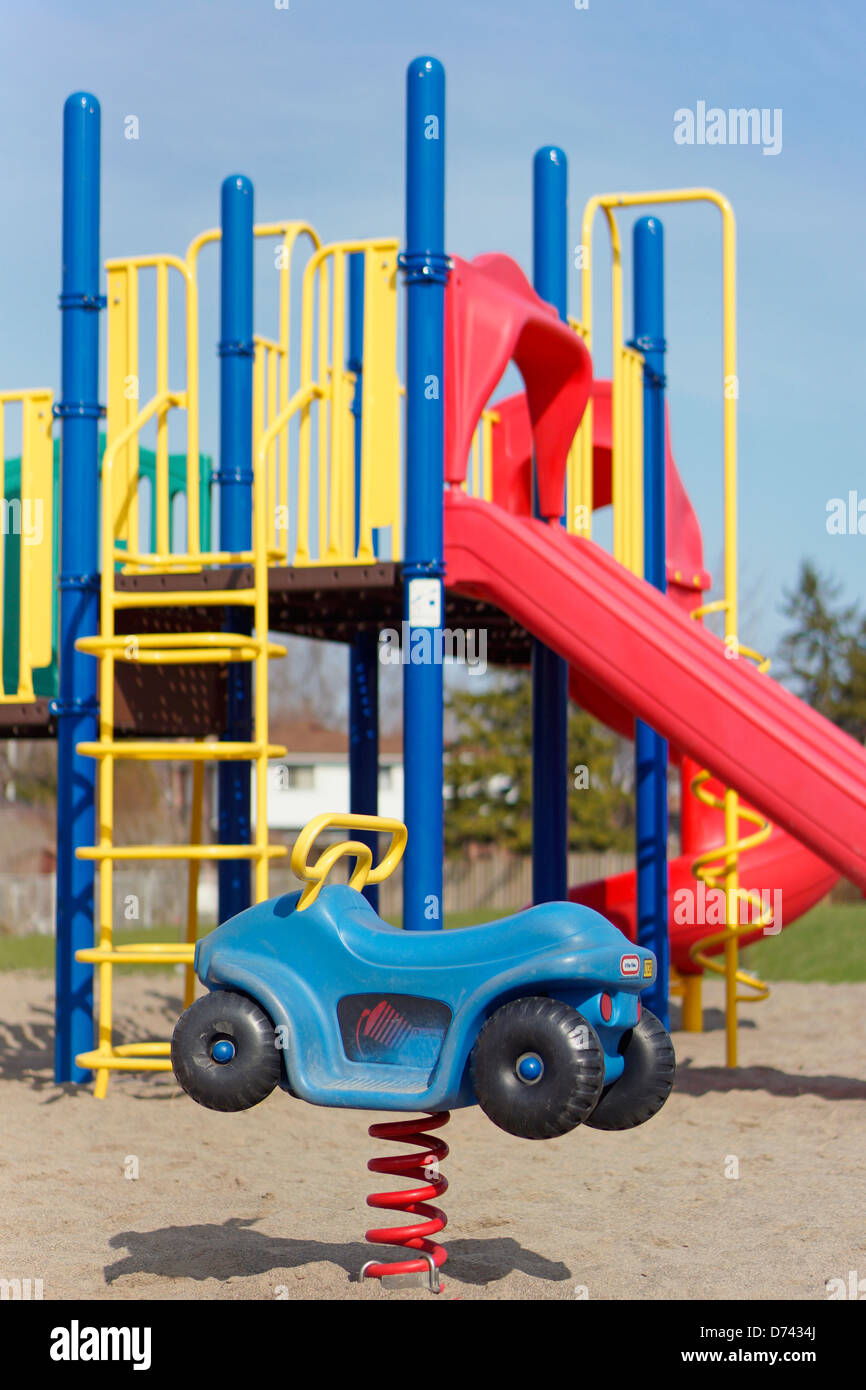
(326, 602)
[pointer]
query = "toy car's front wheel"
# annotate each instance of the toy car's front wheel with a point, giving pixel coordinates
(537, 1068)
(646, 1081)
(224, 1052)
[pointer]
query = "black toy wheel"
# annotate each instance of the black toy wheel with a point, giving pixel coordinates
(223, 1051)
(646, 1082)
(537, 1068)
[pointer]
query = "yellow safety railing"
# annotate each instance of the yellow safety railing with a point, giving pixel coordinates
(479, 471)
(30, 515)
(322, 406)
(626, 409)
(125, 417)
(726, 860)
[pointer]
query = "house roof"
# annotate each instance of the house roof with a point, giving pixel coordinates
(308, 739)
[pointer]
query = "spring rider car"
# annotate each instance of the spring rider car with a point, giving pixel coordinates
(535, 1017)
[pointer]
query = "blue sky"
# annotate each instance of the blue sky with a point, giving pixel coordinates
(309, 103)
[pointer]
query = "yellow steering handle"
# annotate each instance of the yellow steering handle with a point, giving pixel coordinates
(363, 872)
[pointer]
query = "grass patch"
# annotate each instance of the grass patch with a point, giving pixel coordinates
(36, 952)
(827, 945)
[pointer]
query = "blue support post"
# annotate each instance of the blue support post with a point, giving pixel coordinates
(651, 750)
(235, 477)
(426, 270)
(364, 651)
(549, 671)
(76, 708)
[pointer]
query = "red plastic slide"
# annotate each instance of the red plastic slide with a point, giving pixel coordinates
(788, 878)
(631, 643)
(632, 651)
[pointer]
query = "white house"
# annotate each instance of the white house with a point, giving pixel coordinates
(314, 775)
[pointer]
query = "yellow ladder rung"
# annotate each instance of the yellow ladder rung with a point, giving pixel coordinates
(168, 752)
(180, 953)
(122, 1059)
(206, 852)
(173, 562)
(196, 657)
(179, 646)
(182, 598)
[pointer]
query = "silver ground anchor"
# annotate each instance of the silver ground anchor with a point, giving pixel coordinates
(407, 1281)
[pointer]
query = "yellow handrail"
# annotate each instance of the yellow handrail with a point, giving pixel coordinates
(331, 384)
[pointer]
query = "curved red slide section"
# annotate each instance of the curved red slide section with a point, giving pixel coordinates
(631, 642)
(780, 866)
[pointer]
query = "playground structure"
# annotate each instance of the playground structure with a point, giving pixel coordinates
(344, 508)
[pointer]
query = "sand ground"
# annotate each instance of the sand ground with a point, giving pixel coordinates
(270, 1203)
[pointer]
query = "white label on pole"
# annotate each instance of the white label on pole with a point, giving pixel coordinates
(425, 602)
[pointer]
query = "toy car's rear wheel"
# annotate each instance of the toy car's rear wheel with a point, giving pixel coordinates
(646, 1082)
(224, 1052)
(537, 1068)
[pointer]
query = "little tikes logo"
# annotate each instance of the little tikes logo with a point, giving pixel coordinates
(77, 1343)
(629, 965)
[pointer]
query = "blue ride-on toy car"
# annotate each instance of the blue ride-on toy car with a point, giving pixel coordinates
(535, 1017)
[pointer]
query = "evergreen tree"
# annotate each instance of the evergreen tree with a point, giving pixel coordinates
(824, 652)
(815, 651)
(488, 774)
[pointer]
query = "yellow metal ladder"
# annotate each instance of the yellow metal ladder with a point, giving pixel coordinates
(163, 649)
(121, 547)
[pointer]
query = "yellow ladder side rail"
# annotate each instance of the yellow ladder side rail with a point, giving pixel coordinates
(260, 684)
(195, 833)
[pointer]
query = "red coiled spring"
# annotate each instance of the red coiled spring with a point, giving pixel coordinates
(415, 1201)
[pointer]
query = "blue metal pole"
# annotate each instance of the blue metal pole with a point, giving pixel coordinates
(549, 671)
(235, 479)
(77, 706)
(364, 651)
(651, 750)
(426, 270)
